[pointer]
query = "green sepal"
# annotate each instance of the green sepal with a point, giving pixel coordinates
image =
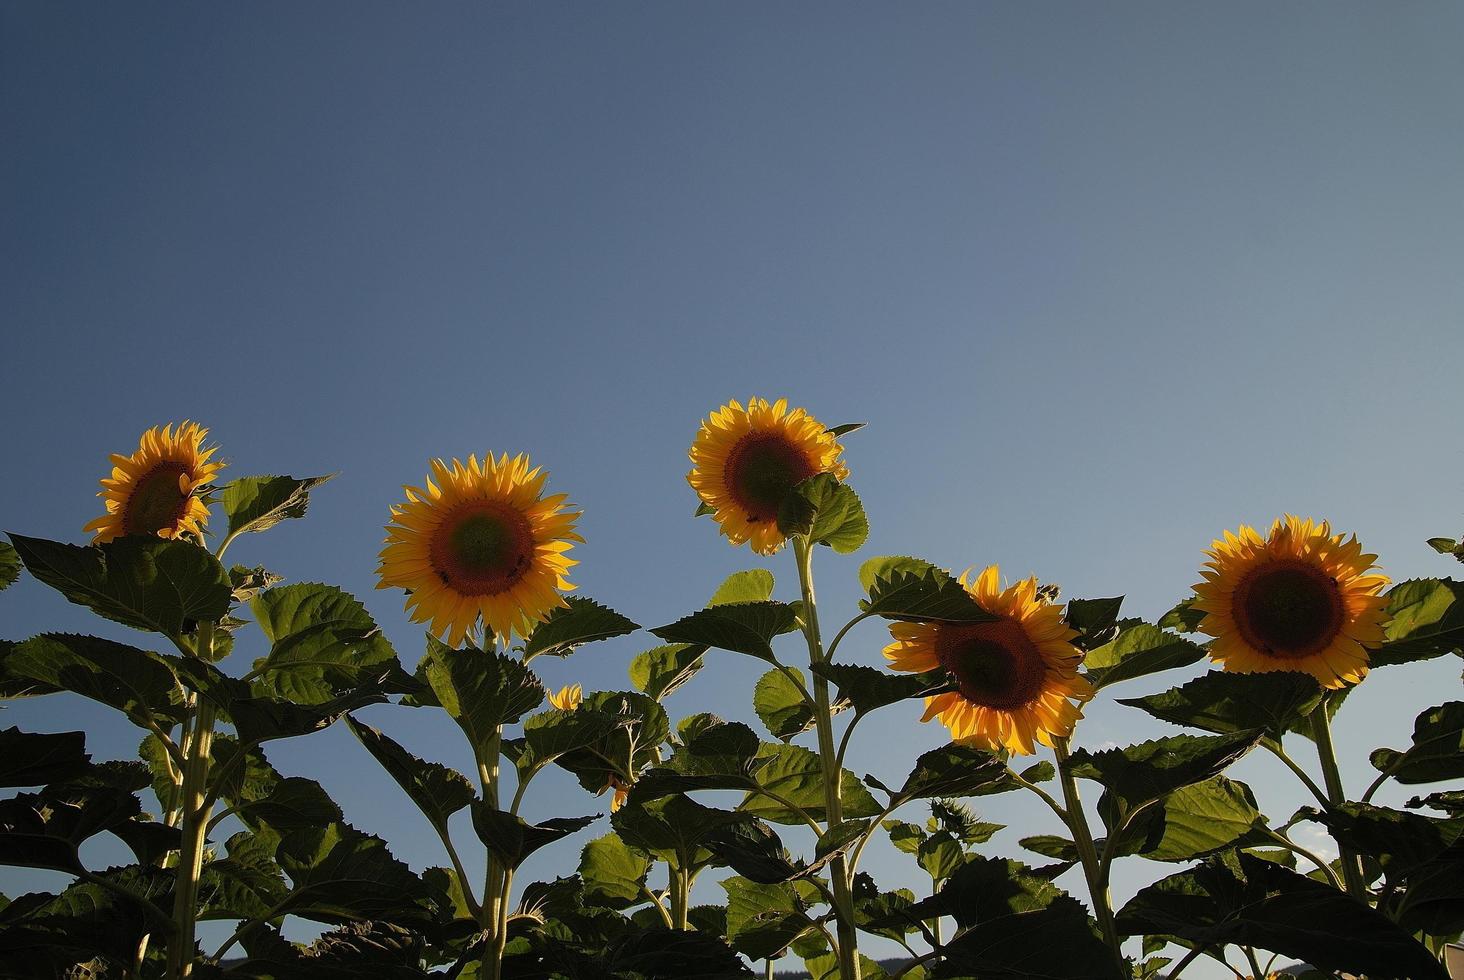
(147, 583)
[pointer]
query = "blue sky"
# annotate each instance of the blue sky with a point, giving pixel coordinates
(1104, 280)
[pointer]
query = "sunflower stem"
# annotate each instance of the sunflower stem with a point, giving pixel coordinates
(495, 877)
(1327, 754)
(1077, 822)
(833, 803)
(194, 809)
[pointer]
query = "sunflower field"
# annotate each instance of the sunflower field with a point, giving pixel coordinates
(231, 861)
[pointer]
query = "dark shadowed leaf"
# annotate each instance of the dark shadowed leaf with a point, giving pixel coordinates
(245, 884)
(1225, 703)
(338, 874)
(9, 565)
(661, 670)
(1138, 774)
(746, 627)
(577, 622)
(258, 503)
(143, 582)
(957, 770)
(1241, 899)
(438, 791)
(1183, 618)
(136, 682)
(551, 734)
(1096, 620)
(513, 839)
(34, 759)
(1137, 651)
(1437, 751)
(763, 919)
(867, 689)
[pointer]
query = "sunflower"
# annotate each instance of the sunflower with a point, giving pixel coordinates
(156, 490)
(1300, 599)
(622, 790)
(746, 460)
(1016, 677)
(567, 698)
(482, 541)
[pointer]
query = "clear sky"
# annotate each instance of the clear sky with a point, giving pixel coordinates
(1104, 279)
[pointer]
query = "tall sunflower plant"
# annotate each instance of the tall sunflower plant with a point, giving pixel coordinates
(1291, 620)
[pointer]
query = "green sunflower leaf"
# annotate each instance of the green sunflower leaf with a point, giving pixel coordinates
(1183, 618)
(438, 790)
(45, 936)
(744, 627)
(1137, 651)
(661, 670)
(1226, 703)
(671, 828)
(866, 688)
(1193, 822)
(45, 829)
(513, 839)
(1142, 773)
(1437, 752)
(258, 503)
(34, 759)
(247, 884)
(135, 682)
(479, 690)
(753, 585)
(9, 566)
(826, 510)
(885, 566)
(922, 595)
(1236, 898)
(551, 734)
(578, 622)
(796, 776)
(753, 850)
(338, 874)
(782, 704)
(1426, 620)
(147, 583)
(957, 770)
(764, 919)
(1096, 620)
(614, 873)
(323, 644)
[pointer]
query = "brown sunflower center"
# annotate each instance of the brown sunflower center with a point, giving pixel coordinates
(995, 664)
(482, 548)
(1288, 608)
(155, 503)
(761, 469)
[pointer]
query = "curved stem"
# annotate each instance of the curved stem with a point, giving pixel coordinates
(1296, 848)
(656, 901)
(1077, 822)
(1336, 796)
(1274, 747)
(1052, 804)
(833, 802)
(839, 636)
(1186, 960)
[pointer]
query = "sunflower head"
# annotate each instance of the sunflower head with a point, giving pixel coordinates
(1300, 599)
(1016, 676)
(745, 462)
(480, 541)
(567, 698)
(156, 490)
(621, 791)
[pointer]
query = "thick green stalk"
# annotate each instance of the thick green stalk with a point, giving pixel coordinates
(828, 757)
(680, 899)
(194, 821)
(495, 897)
(500, 927)
(1077, 822)
(1336, 796)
